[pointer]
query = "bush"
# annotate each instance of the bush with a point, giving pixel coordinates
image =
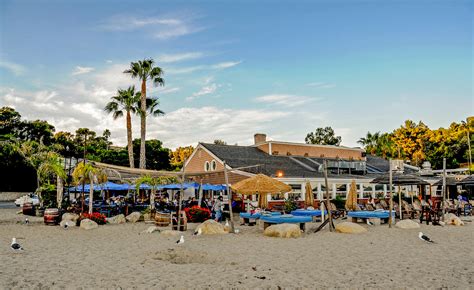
(197, 214)
(99, 218)
(290, 205)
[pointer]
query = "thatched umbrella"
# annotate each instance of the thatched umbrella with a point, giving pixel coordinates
(351, 200)
(308, 197)
(262, 185)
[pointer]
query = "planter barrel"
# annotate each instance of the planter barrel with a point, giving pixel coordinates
(52, 216)
(162, 219)
(28, 208)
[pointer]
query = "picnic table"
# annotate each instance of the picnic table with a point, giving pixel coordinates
(382, 215)
(287, 218)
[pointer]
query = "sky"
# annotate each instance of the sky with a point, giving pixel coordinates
(235, 68)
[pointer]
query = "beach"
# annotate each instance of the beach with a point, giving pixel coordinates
(114, 256)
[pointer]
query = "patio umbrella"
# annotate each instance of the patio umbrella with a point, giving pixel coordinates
(262, 201)
(351, 200)
(308, 197)
(262, 185)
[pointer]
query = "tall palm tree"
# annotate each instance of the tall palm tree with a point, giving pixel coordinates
(52, 166)
(85, 172)
(370, 142)
(144, 70)
(126, 101)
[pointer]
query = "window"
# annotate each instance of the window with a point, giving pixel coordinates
(207, 166)
(213, 165)
(295, 191)
(341, 190)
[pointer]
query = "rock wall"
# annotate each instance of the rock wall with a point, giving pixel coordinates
(11, 196)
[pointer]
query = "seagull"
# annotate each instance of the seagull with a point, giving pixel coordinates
(424, 238)
(180, 241)
(15, 246)
(27, 221)
(227, 223)
(236, 231)
(65, 226)
(370, 223)
(198, 232)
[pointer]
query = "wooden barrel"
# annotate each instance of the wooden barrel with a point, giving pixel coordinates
(162, 219)
(51, 216)
(28, 208)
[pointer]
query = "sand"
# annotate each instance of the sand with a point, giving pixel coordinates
(123, 256)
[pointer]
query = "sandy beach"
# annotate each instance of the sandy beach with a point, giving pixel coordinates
(115, 256)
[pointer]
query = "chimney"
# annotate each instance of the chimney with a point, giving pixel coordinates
(259, 138)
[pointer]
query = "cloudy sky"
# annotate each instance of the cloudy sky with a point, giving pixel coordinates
(232, 69)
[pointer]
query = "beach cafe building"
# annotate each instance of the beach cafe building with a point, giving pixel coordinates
(296, 164)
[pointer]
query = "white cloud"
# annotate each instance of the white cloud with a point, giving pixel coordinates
(169, 58)
(286, 100)
(321, 85)
(170, 90)
(176, 31)
(15, 68)
(227, 64)
(205, 90)
(79, 70)
(190, 69)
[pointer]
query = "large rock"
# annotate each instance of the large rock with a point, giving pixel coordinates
(452, 219)
(70, 217)
(134, 217)
(88, 224)
(350, 228)
(211, 227)
(169, 233)
(67, 224)
(118, 219)
(151, 229)
(407, 224)
(283, 231)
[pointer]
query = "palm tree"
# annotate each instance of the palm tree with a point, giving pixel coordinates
(51, 166)
(154, 182)
(125, 101)
(370, 142)
(144, 70)
(85, 172)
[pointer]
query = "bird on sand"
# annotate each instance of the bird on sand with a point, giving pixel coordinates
(27, 221)
(424, 238)
(16, 246)
(180, 241)
(198, 232)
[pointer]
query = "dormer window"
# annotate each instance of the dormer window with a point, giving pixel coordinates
(213, 165)
(207, 166)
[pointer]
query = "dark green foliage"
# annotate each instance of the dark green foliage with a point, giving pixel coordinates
(323, 136)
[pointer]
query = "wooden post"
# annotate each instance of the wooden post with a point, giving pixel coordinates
(400, 201)
(180, 198)
(328, 201)
(229, 196)
(444, 188)
(390, 202)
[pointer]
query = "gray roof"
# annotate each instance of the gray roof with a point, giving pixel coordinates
(241, 156)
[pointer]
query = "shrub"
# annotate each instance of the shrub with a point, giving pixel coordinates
(197, 214)
(99, 218)
(290, 205)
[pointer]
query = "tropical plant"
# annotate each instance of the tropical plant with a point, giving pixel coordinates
(144, 70)
(323, 136)
(126, 101)
(51, 166)
(154, 182)
(290, 205)
(370, 142)
(85, 172)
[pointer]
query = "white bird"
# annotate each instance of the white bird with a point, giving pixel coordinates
(180, 241)
(15, 246)
(236, 231)
(27, 221)
(424, 238)
(198, 232)
(370, 223)
(227, 223)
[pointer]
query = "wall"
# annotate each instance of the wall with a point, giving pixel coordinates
(11, 196)
(196, 164)
(313, 151)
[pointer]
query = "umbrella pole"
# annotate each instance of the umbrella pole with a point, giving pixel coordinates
(229, 196)
(180, 198)
(400, 201)
(328, 205)
(390, 202)
(444, 188)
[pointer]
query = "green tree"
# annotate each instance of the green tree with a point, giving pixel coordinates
(125, 102)
(220, 142)
(144, 70)
(38, 130)
(86, 173)
(157, 157)
(10, 123)
(370, 142)
(323, 136)
(179, 155)
(51, 167)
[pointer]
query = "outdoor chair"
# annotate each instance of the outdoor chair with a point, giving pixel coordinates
(336, 212)
(384, 204)
(378, 206)
(369, 207)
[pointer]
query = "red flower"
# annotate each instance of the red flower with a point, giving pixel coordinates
(197, 214)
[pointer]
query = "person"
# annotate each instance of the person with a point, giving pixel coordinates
(371, 201)
(217, 209)
(460, 204)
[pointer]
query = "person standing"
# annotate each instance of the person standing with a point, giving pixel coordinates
(217, 209)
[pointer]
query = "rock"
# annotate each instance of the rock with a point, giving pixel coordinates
(452, 219)
(134, 217)
(350, 228)
(211, 227)
(407, 224)
(70, 217)
(118, 219)
(151, 229)
(283, 231)
(87, 224)
(68, 223)
(169, 233)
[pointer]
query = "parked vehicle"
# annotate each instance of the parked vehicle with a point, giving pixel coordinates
(33, 198)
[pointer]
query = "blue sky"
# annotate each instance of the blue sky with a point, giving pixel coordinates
(232, 69)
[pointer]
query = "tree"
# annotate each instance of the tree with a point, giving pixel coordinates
(179, 155)
(10, 123)
(51, 166)
(410, 140)
(126, 101)
(85, 172)
(38, 130)
(370, 142)
(144, 71)
(220, 142)
(323, 136)
(153, 182)
(157, 157)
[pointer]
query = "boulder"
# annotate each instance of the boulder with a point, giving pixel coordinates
(68, 224)
(70, 217)
(211, 227)
(407, 224)
(151, 229)
(134, 217)
(350, 228)
(88, 224)
(118, 219)
(283, 231)
(452, 219)
(169, 233)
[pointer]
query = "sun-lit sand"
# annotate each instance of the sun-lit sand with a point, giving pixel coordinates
(122, 256)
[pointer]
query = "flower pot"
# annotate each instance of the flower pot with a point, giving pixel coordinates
(51, 216)
(28, 208)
